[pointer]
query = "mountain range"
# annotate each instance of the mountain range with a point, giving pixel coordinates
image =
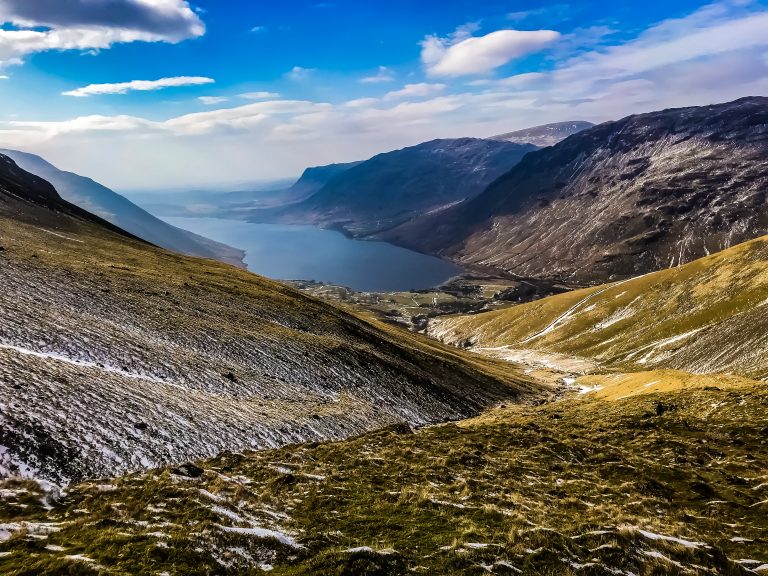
(623, 198)
(395, 187)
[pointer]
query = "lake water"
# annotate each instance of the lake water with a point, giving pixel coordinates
(308, 253)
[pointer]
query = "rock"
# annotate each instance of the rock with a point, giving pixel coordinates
(188, 470)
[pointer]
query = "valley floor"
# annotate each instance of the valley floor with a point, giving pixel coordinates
(649, 473)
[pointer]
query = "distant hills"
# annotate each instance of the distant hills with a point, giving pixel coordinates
(367, 197)
(397, 186)
(617, 200)
(110, 206)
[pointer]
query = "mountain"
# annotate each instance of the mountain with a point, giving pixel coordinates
(708, 316)
(313, 180)
(620, 199)
(28, 198)
(116, 355)
(394, 187)
(545, 135)
(118, 210)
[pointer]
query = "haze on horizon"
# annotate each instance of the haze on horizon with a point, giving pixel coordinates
(170, 93)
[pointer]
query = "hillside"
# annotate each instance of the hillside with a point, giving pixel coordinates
(545, 135)
(707, 316)
(313, 179)
(620, 199)
(118, 356)
(394, 187)
(121, 212)
(597, 485)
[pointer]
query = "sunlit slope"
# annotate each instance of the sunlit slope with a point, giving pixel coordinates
(116, 355)
(708, 316)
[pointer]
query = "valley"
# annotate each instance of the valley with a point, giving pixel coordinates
(571, 402)
(704, 317)
(118, 356)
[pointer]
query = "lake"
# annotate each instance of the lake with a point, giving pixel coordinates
(309, 253)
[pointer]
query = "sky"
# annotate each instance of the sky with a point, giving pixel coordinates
(158, 94)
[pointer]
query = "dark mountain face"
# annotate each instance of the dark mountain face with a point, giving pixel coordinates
(546, 135)
(392, 188)
(112, 207)
(313, 180)
(623, 198)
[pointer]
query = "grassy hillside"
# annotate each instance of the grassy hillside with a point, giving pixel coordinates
(707, 316)
(118, 356)
(662, 482)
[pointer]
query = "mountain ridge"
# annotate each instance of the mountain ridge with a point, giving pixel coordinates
(100, 200)
(620, 199)
(546, 134)
(395, 186)
(707, 316)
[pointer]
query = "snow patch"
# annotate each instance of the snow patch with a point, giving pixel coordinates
(263, 533)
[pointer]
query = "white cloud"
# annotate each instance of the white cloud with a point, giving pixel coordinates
(706, 33)
(4, 77)
(299, 73)
(259, 95)
(213, 100)
(383, 75)
(422, 90)
(481, 54)
(557, 10)
(138, 85)
(362, 102)
(258, 29)
(516, 81)
(45, 25)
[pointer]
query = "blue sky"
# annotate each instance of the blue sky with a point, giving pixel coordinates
(161, 93)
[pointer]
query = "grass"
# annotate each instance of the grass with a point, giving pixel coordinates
(708, 316)
(584, 485)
